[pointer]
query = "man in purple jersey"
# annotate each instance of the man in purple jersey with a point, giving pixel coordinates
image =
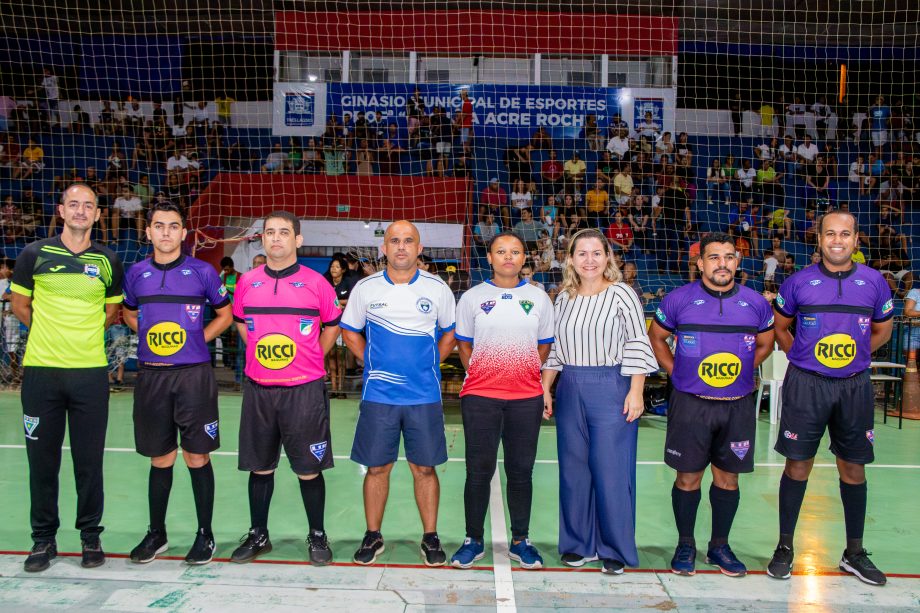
(165, 299)
(722, 332)
(842, 313)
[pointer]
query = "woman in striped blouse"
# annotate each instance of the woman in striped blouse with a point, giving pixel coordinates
(602, 348)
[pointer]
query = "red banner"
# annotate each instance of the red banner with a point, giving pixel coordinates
(476, 32)
(378, 198)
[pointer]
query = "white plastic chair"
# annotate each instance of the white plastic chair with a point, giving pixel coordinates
(772, 373)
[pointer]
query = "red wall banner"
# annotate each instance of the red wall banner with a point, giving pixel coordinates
(476, 32)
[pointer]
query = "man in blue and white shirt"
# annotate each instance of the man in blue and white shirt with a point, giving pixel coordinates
(407, 318)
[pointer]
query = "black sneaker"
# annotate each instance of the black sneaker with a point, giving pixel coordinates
(253, 544)
(780, 566)
(431, 550)
(859, 564)
(93, 555)
(371, 547)
(575, 560)
(612, 567)
(153, 544)
(40, 557)
(203, 548)
(318, 545)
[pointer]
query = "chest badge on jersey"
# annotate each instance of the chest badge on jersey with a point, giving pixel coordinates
(193, 311)
(863, 324)
(527, 305)
(275, 351)
(720, 369)
(487, 306)
(306, 326)
(91, 270)
(836, 350)
(166, 338)
(749, 341)
(423, 305)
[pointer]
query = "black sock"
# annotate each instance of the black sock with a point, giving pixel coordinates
(313, 492)
(203, 491)
(261, 488)
(685, 505)
(724, 506)
(854, 513)
(158, 496)
(791, 495)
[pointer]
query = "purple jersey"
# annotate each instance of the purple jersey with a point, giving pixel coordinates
(834, 313)
(170, 300)
(716, 337)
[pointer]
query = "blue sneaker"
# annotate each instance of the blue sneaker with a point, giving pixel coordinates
(723, 557)
(470, 551)
(525, 553)
(684, 560)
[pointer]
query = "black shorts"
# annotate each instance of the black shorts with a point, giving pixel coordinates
(170, 401)
(296, 417)
(702, 431)
(812, 402)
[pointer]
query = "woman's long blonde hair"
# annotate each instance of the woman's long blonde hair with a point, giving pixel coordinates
(570, 279)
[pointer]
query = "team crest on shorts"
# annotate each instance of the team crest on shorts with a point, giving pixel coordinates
(30, 423)
(423, 304)
(527, 305)
(318, 450)
(193, 311)
(487, 306)
(211, 430)
(792, 436)
(740, 448)
(91, 270)
(870, 434)
(306, 326)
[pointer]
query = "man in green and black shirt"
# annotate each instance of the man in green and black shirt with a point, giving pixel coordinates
(67, 290)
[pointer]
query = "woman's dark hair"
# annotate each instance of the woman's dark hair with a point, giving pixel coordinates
(343, 264)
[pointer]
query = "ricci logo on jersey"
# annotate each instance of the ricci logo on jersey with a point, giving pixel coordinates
(166, 338)
(275, 351)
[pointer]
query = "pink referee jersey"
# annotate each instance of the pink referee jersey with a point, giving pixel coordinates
(284, 312)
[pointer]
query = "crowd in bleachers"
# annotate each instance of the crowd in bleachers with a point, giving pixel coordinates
(651, 193)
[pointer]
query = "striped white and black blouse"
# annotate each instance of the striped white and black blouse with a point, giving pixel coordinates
(606, 329)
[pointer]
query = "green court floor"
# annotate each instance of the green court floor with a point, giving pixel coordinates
(892, 530)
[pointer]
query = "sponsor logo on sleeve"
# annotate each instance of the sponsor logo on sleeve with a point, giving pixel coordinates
(222, 290)
(166, 338)
(275, 351)
(780, 301)
(720, 369)
(740, 448)
(487, 306)
(836, 350)
(211, 430)
(888, 307)
(30, 423)
(659, 314)
(319, 450)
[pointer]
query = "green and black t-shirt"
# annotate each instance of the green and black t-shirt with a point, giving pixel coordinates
(69, 292)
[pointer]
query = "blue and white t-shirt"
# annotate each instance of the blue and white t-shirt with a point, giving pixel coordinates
(403, 324)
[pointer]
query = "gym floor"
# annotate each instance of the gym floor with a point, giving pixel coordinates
(283, 580)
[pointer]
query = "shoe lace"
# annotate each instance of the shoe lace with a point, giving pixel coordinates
(432, 542)
(783, 553)
(317, 540)
(861, 557)
(369, 541)
(684, 553)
